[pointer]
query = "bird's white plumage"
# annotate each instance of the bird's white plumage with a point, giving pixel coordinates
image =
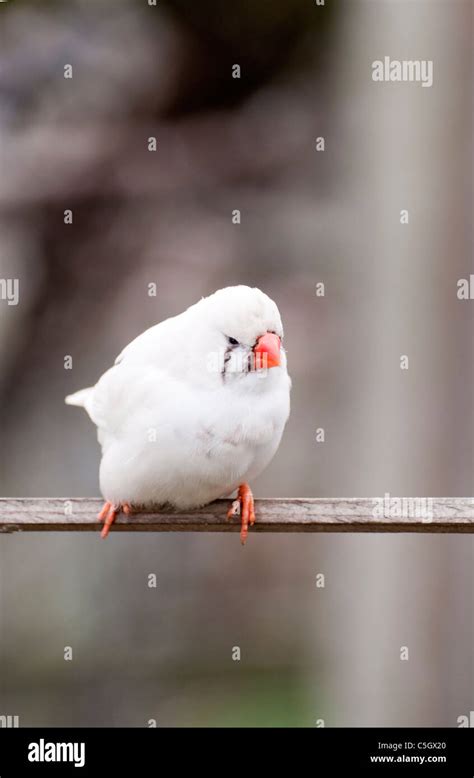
(176, 421)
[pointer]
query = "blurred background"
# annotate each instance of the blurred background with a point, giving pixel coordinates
(308, 654)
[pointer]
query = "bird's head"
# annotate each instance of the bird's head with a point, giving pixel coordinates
(243, 333)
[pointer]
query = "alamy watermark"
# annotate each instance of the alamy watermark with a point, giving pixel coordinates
(407, 70)
(44, 751)
(10, 290)
(389, 507)
(9, 722)
(236, 362)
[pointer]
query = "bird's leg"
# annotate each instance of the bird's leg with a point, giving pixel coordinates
(245, 505)
(101, 516)
(247, 510)
(109, 513)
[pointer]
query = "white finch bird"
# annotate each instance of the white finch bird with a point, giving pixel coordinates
(193, 408)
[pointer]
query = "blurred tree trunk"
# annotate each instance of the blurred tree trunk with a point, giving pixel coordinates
(413, 429)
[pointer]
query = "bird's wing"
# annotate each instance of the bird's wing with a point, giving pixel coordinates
(120, 393)
(141, 369)
(155, 345)
(100, 402)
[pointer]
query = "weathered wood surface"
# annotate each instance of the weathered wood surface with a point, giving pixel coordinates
(439, 514)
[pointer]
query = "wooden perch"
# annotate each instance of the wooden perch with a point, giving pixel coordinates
(438, 514)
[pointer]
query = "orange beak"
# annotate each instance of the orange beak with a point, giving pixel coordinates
(267, 351)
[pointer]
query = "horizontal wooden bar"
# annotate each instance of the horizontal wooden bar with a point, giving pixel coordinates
(389, 514)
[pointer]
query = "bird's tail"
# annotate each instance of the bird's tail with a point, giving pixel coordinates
(79, 398)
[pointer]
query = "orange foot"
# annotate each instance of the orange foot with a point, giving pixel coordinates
(244, 505)
(109, 513)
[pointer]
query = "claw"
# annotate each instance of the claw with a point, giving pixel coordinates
(244, 504)
(109, 520)
(101, 516)
(109, 513)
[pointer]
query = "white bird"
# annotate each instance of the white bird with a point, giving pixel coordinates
(194, 408)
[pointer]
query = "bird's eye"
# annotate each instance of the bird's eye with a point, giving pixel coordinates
(233, 341)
